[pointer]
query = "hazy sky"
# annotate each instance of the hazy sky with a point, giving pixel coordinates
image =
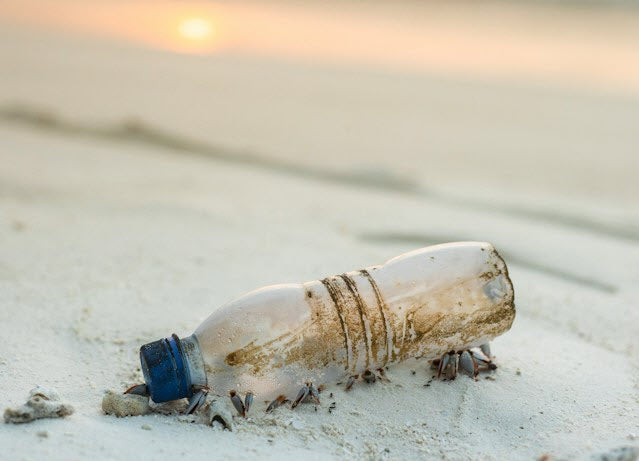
(582, 47)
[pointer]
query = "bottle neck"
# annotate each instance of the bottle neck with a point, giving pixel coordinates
(194, 361)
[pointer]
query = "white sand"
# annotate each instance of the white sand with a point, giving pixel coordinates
(107, 243)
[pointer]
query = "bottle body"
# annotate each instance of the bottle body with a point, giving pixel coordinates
(421, 304)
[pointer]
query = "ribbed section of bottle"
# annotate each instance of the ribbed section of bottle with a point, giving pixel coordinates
(360, 318)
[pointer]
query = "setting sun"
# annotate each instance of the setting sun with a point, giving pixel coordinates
(196, 29)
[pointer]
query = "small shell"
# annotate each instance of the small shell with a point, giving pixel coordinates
(485, 348)
(467, 364)
(248, 401)
(314, 394)
(120, 405)
(280, 400)
(42, 403)
(301, 395)
(236, 400)
(369, 377)
(219, 412)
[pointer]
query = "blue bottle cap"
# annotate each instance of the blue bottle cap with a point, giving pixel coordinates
(165, 370)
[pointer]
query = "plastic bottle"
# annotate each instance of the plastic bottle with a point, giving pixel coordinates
(271, 341)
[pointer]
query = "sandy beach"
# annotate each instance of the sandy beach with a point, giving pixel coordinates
(141, 189)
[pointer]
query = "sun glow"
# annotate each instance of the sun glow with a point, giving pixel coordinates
(195, 32)
(196, 29)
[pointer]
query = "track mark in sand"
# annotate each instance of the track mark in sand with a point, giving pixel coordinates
(139, 132)
(459, 413)
(136, 131)
(423, 239)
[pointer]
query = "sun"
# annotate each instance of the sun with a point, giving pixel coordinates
(196, 29)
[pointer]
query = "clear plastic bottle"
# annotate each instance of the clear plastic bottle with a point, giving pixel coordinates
(272, 340)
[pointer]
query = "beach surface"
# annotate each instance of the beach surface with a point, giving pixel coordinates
(141, 189)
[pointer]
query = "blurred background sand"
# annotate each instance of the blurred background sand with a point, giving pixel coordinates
(159, 158)
(516, 97)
